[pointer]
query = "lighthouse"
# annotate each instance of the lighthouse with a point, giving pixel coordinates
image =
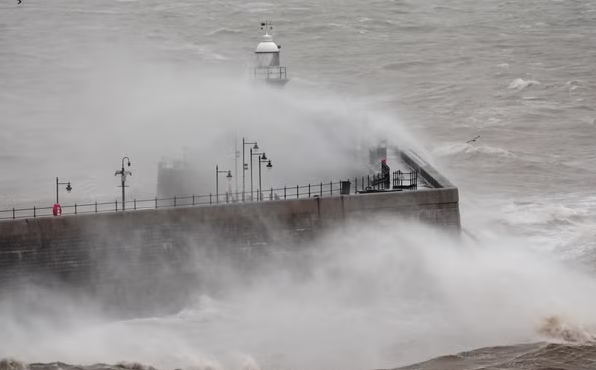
(267, 62)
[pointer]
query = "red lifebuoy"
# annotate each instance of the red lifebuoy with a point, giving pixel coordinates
(57, 210)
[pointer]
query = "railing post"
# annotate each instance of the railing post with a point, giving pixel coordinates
(174, 201)
(355, 185)
(210, 201)
(331, 187)
(155, 202)
(193, 199)
(75, 208)
(321, 190)
(116, 202)
(95, 206)
(13, 213)
(297, 192)
(134, 201)
(34, 215)
(271, 196)
(309, 190)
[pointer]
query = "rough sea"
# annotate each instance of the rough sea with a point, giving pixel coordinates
(85, 82)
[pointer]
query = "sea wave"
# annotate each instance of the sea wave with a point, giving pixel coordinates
(521, 84)
(454, 149)
(541, 213)
(256, 7)
(12, 364)
(534, 356)
(223, 31)
(554, 327)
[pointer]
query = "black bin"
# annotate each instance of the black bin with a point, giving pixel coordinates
(345, 187)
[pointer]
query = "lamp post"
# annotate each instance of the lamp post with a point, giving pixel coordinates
(68, 188)
(251, 182)
(244, 165)
(123, 175)
(262, 159)
(217, 172)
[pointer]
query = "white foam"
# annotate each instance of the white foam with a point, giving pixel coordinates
(223, 31)
(541, 213)
(521, 84)
(381, 294)
(454, 149)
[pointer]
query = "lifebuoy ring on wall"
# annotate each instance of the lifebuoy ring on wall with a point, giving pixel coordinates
(57, 211)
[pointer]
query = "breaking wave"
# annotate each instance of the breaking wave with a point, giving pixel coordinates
(554, 327)
(11, 364)
(541, 213)
(536, 356)
(521, 84)
(223, 31)
(454, 149)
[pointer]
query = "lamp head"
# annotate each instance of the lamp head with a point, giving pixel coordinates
(264, 157)
(229, 175)
(128, 163)
(68, 187)
(269, 165)
(256, 147)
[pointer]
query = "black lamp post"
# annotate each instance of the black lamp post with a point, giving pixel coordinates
(263, 159)
(68, 188)
(244, 164)
(123, 175)
(217, 172)
(251, 182)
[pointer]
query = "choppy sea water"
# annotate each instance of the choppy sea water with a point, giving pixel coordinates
(83, 83)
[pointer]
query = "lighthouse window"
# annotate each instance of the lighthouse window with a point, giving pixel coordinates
(268, 59)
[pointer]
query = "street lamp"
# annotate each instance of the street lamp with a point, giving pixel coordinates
(251, 182)
(262, 159)
(68, 188)
(245, 165)
(123, 175)
(217, 172)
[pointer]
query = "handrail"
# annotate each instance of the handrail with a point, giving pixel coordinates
(319, 190)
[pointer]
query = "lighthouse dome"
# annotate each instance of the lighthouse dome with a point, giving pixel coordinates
(267, 45)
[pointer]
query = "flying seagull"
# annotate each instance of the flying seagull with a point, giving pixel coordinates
(19, 2)
(474, 139)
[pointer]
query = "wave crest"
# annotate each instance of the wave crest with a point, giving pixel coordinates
(223, 31)
(11, 364)
(133, 366)
(541, 213)
(553, 327)
(464, 148)
(521, 84)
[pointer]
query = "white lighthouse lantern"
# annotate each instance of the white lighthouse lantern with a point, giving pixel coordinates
(267, 52)
(267, 61)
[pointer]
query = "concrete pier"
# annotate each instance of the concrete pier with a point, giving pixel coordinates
(142, 257)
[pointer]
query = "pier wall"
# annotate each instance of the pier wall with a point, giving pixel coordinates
(142, 258)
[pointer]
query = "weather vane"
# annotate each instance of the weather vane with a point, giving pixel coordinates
(266, 24)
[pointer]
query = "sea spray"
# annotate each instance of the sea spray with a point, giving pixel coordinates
(381, 292)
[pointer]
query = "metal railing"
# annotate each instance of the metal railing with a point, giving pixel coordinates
(271, 73)
(381, 182)
(363, 184)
